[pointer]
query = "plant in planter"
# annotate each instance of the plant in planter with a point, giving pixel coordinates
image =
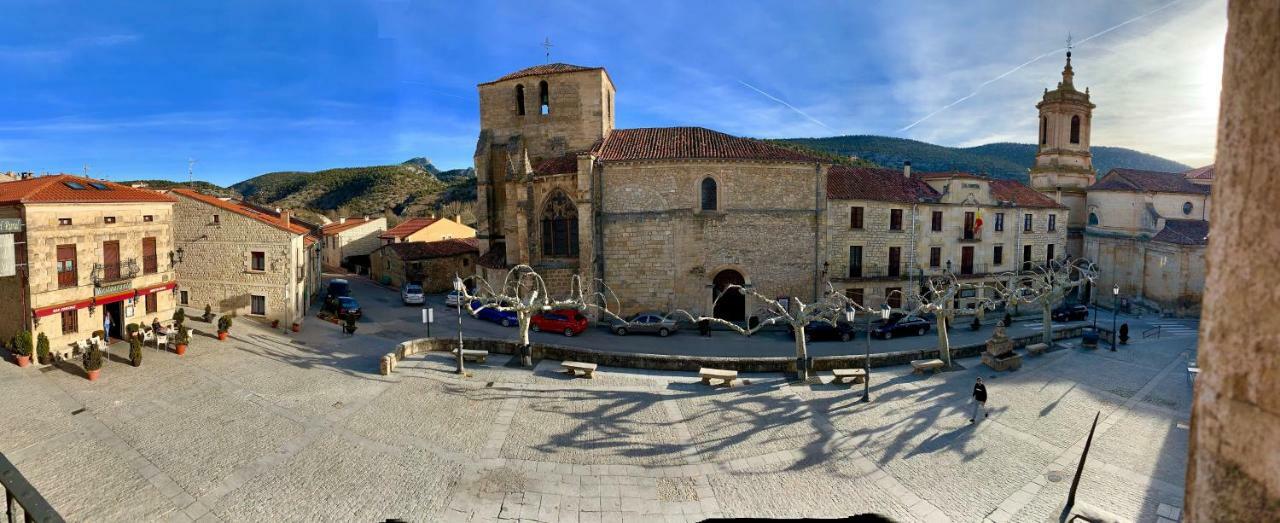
(1124, 333)
(180, 339)
(179, 315)
(93, 362)
(135, 351)
(224, 325)
(208, 313)
(275, 324)
(42, 349)
(132, 330)
(22, 348)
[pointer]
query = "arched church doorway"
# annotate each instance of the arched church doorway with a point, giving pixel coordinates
(732, 306)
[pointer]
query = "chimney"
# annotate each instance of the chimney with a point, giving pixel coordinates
(366, 217)
(342, 220)
(457, 218)
(284, 217)
(906, 168)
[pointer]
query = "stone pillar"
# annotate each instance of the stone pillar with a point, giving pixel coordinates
(1233, 471)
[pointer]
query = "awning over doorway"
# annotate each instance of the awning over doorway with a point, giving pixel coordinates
(102, 300)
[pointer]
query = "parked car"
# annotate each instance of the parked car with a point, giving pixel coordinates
(569, 322)
(645, 322)
(411, 294)
(907, 325)
(349, 307)
(821, 330)
(338, 288)
(1071, 313)
(503, 318)
(453, 299)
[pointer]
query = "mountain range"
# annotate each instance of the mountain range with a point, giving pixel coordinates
(416, 187)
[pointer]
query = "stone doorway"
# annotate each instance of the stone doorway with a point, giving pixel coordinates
(733, 306)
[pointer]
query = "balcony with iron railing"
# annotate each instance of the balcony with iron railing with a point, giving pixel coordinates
(958, 269)
(110, 273)
(873, 272)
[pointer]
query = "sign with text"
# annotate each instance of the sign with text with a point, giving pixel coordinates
(8, 257)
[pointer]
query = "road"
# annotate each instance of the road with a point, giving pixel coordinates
(387, 318)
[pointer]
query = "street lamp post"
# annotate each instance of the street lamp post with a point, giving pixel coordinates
(458, 287)
(1115, 306)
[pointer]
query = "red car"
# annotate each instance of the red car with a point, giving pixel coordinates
(569, 322)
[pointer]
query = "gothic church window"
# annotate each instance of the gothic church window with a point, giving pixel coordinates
(560, 227)
(1075, 129)
(520, 99)
(709, 194)
(544, 97)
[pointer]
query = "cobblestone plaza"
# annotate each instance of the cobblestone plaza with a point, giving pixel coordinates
(265, 427)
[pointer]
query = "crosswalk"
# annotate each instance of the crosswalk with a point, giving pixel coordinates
(1168, 329)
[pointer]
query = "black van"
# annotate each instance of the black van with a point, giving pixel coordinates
(338, 288)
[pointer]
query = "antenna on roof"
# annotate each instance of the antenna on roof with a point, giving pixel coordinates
(86, 170)
(546, 44)
(191, 167)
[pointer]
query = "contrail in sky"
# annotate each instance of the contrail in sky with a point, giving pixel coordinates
(789, 106)
(1034, 60)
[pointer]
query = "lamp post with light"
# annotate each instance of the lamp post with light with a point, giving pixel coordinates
(459, 287)
(866, 360)
(1115, 306)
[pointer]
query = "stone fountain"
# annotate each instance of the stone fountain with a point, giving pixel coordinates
(999, 354)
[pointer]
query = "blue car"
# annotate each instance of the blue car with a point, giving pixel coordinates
(504, 318)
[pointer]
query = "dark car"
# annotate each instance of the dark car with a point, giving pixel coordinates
(349, 307)
(568, 322)
(823, 331)
(907, 325)
(503, 318)
(338, 288)
(1071, 313)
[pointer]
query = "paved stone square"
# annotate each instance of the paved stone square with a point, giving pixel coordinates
(270, 426)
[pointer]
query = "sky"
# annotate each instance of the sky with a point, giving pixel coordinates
(135, 90)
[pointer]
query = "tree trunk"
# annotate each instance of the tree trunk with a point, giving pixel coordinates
(1048, 323)
(526, 351)
(802, 354)
(944, 341)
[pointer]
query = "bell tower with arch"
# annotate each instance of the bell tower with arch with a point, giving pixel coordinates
(1064, 164)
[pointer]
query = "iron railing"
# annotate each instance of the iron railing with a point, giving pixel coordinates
(108, 273)
(19, 494)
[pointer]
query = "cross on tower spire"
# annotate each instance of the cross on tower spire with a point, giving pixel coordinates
(546, 44)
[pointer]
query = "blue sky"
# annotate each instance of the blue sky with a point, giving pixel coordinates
(134, 89)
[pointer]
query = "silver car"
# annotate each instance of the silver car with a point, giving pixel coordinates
(411, 294)
(651, 322)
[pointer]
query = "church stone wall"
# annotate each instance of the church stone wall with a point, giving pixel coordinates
(578, 115)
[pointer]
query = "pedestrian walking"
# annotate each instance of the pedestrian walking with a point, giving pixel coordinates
(106, 326)
(979, 400)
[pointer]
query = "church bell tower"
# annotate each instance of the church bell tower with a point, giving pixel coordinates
(1064, 165)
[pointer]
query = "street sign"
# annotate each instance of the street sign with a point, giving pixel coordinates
(428, 315)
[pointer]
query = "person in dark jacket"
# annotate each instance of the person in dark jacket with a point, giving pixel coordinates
(979, 400)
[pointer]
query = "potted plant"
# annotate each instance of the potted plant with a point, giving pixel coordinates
(224, 325)
(208, 313)
(22, 348)
(93, 362)
(180, 340)
(1124, 333)
(275, 324)
(179, 315)
(42, 349)
(135, 351)
(132, 330)
(296, 327)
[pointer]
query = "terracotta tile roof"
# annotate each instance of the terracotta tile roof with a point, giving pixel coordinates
(1183, 232)
(439, 249)
(308, 240)
(1134, 180)
(1021, 195)
(866, 183)
(544, 69)
(558, 165)
(692, 143)
(1199, 173)
(336, 227)
(408, 227)
(55, 189)
(244, 209)
(496, 258)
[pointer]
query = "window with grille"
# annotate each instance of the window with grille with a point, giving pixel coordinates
(560, 227)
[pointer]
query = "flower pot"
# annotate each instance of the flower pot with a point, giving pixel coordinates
(222, 336)
(93, 374)
(296, 327)
(180, 348)
(275, 324)
(24, 361)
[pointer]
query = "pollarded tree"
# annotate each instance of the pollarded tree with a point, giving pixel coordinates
(1046, 285)
(940, 299)
(524, 293)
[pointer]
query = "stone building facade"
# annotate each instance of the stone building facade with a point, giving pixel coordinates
(243, 261)
(84, 248)
(430, 264)
(349, 237)
(427, 230)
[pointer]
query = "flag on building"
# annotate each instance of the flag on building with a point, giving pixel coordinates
(977, 223)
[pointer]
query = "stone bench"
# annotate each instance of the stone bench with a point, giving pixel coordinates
(708, 374)
(473, 355)
(1037, 348)
(857, 375)
(572, 367)
(919, 366)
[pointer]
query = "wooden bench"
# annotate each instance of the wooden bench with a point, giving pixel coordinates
(1037, 348)
(473, 355)
(572, 367)
(857, 375)
(727, 376)
(920, 366)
